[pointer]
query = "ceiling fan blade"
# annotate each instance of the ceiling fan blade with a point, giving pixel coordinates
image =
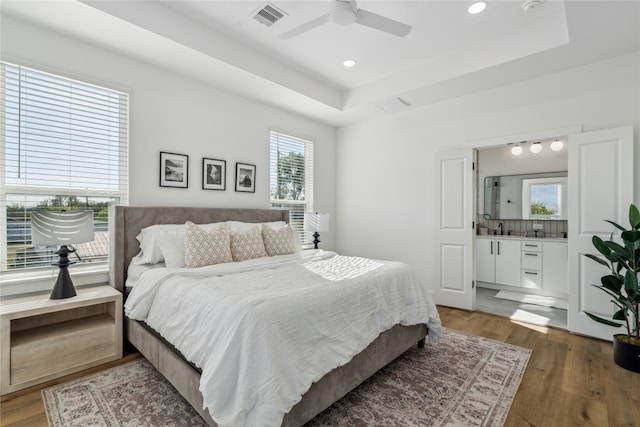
(320, 20)
(382, 23)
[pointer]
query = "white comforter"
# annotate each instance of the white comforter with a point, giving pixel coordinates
(262, 331)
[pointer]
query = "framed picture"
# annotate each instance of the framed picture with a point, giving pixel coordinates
(245, 177)
(214, 174)
(174, 170)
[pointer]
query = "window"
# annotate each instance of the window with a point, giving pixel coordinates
(64, 146)
(291, 171)
(544, 198)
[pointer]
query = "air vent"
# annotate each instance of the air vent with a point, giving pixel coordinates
(268, 14)
(394, 104)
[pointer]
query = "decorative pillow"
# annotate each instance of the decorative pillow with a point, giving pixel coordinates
(203, 247)
(247, 244)
(278, 242)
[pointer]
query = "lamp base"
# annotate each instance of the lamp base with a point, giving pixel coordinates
(64, 286)
(316, 240)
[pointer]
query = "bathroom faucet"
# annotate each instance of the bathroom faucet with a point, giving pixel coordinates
(501, 230)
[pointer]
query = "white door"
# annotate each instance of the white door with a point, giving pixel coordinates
(454, 253)
(485, 256)
(600, 188)
(508, 258)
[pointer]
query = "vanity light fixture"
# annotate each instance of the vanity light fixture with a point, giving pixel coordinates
(535, 148)
(557, 145)
(349, 63)
(516, 150)
(477, 7)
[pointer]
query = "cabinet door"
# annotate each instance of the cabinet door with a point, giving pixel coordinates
(508, 255)
(485, 260)
(555, 267)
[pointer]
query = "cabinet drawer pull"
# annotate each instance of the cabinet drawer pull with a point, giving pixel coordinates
(531, 246)
(492, 247)
(531, 272)
(530, 254)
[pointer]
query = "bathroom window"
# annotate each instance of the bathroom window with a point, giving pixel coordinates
(544, 198)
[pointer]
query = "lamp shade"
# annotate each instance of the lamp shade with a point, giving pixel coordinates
(316, 222)
(49, 228)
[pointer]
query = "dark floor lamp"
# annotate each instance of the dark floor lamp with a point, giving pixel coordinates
(54, 228)
(316, 223)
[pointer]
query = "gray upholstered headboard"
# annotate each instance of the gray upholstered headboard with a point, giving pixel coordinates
(125, 222)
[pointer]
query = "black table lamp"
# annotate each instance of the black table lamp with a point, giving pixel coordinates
(54, 228)
(317, 223)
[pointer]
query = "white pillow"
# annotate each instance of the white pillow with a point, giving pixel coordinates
(172, 245)
(247, 244)
(203, 247)
(241, 227)
(150, 252)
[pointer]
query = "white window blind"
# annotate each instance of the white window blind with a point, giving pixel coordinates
(291, 171)
(64, 145)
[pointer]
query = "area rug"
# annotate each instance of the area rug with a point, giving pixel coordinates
(462, 380)
(545, 301)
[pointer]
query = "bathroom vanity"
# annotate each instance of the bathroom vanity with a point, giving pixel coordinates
(523, 262)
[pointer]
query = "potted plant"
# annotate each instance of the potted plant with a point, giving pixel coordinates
(622, 285)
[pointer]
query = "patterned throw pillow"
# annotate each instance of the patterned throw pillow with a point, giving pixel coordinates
(247, 244)
(203, 247)
(278, 242)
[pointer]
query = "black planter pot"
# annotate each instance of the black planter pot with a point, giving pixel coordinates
(626, 355)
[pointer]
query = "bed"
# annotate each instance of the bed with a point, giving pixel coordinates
(126, 222)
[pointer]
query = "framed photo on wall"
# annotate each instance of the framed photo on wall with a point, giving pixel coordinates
(174, 170)
(245, 177)
(214, 174)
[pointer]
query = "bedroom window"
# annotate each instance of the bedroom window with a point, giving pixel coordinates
(291, 172)
(64, 146)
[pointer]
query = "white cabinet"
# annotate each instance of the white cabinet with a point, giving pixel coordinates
(555, 266)
(531, 264)
(498, 261)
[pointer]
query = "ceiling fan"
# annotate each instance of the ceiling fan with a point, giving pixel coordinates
(346, 12)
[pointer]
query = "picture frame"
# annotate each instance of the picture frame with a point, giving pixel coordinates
(245, 177)
(174, 170)
(214, 174)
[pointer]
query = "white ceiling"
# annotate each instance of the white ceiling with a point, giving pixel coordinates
(448, 53)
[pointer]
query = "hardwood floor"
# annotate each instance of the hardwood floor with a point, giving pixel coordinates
(570, 380)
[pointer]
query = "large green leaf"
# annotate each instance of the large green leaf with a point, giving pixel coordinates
(620, 314)
(612, 283)
(631, 281)
(598, 243)
(619, 227)
(597, 259)
(634, 217)
(617, 248)
(631, 239)
(603, 321)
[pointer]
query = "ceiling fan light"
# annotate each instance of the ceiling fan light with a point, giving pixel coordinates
(349, 63)
(557, 145)
(477, 7)
(516, 150)
(535, 148)
(343, 13)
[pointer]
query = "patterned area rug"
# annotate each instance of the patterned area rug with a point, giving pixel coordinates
(462, 380)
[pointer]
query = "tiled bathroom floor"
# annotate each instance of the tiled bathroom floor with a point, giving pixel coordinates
(530, 313)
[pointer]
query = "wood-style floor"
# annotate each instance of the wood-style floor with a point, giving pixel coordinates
(570, 380)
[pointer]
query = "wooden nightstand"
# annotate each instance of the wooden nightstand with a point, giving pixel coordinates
(42, 339)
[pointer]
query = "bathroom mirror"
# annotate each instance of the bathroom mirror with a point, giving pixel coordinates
(540, 196)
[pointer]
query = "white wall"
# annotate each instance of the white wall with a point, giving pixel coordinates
(180, 115)
(386, 204)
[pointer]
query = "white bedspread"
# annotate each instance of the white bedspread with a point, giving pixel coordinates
(262, 331)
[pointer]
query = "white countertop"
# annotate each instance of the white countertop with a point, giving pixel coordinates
(507, 237)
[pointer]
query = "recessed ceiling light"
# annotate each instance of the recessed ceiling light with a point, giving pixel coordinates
(516, 150)
(477, 7)
(349, 63)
